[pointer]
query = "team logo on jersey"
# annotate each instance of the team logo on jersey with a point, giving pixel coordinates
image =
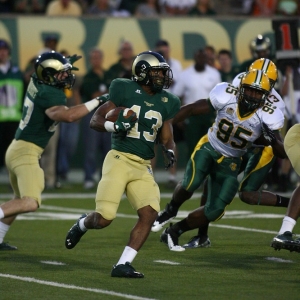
(138, 92)
(230, 111)
(148, 104)
(164, 99)
(233, 166)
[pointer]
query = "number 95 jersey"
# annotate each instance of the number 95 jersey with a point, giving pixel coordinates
(231, 135)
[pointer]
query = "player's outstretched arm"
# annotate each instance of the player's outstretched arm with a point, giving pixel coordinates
(71, 114)
(193, 109)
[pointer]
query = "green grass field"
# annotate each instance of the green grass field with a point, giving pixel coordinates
(239, 265)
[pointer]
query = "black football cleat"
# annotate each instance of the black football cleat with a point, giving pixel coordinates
(126, 271)
(74, 234)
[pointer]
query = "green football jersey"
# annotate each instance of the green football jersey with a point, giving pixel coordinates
(35, 126)
(151, 110)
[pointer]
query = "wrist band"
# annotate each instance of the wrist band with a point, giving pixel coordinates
(109, 126)
(92, 104)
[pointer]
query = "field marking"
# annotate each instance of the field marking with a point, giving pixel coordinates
(277, 259)
(167, 262)
(51, 262)
(74, 287)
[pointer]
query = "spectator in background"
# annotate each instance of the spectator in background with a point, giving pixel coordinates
(68, 135)
(227, 71)
(93, 85)
(11, 98)
(30, 6)
(264, 8)
(102, 8)
(176, 7)
(149, 8)
(288, 7)
(122, 68)
(128, 6)
(202, 8)
(163, 47)
(6, 6)
(211, 56)
(63, 8)
(260, 47)
(51, 40)
(195, 82)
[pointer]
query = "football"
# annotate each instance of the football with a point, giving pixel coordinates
(113, 114)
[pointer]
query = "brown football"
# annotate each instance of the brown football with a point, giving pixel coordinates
(113, 114)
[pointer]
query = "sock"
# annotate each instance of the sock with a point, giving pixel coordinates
(128, 255)
(1, 213)
(282, 201)
(180, 227)
(202, 231)
(287, 225)
(81, 225)
(3, 230)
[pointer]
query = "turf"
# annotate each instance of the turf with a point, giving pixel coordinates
(239, 265)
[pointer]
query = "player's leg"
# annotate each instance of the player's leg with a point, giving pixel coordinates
(27, 181)
(109, 192)
(143, 195)
(198, 167)
(284, 239)
(256, 171)
(222, 186)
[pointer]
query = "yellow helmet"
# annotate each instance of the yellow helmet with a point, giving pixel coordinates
(268, 67)
(254, 80)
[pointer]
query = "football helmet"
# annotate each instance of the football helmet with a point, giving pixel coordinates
(48, 65)
(260, 47)
(268, 67)
(255, 80)
(144, 69)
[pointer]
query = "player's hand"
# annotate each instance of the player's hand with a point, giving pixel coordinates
(268, 134)
(72, 59)
(124, 124)
(169, 158)
(102, 99)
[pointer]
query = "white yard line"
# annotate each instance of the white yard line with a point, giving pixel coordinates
(74, 287)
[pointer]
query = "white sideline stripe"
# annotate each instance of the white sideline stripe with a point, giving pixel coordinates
(243, 228)
(277, 259)
(167, 262)
(74, 287)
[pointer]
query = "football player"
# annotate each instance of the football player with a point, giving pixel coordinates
(241, 119)
(284, 239)
(44, 106)
(256, 164)
(127, 166)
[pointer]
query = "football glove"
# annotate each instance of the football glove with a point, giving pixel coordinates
(169, 158)
(124, 124)
(102, 99)
(72, 59)
(268, 134)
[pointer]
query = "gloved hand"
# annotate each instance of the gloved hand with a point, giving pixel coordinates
(72, 59)
(124, 124)
(268, 134)
(169, 158)
(102, 99)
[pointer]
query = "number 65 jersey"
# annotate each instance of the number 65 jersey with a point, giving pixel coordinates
(231, 135)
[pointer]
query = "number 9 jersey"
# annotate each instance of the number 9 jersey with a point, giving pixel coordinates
(231, 135)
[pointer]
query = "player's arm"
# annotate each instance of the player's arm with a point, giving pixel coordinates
(98, 120)
(168, 144)
(199, 107)
(71, 114)
(273, 139)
